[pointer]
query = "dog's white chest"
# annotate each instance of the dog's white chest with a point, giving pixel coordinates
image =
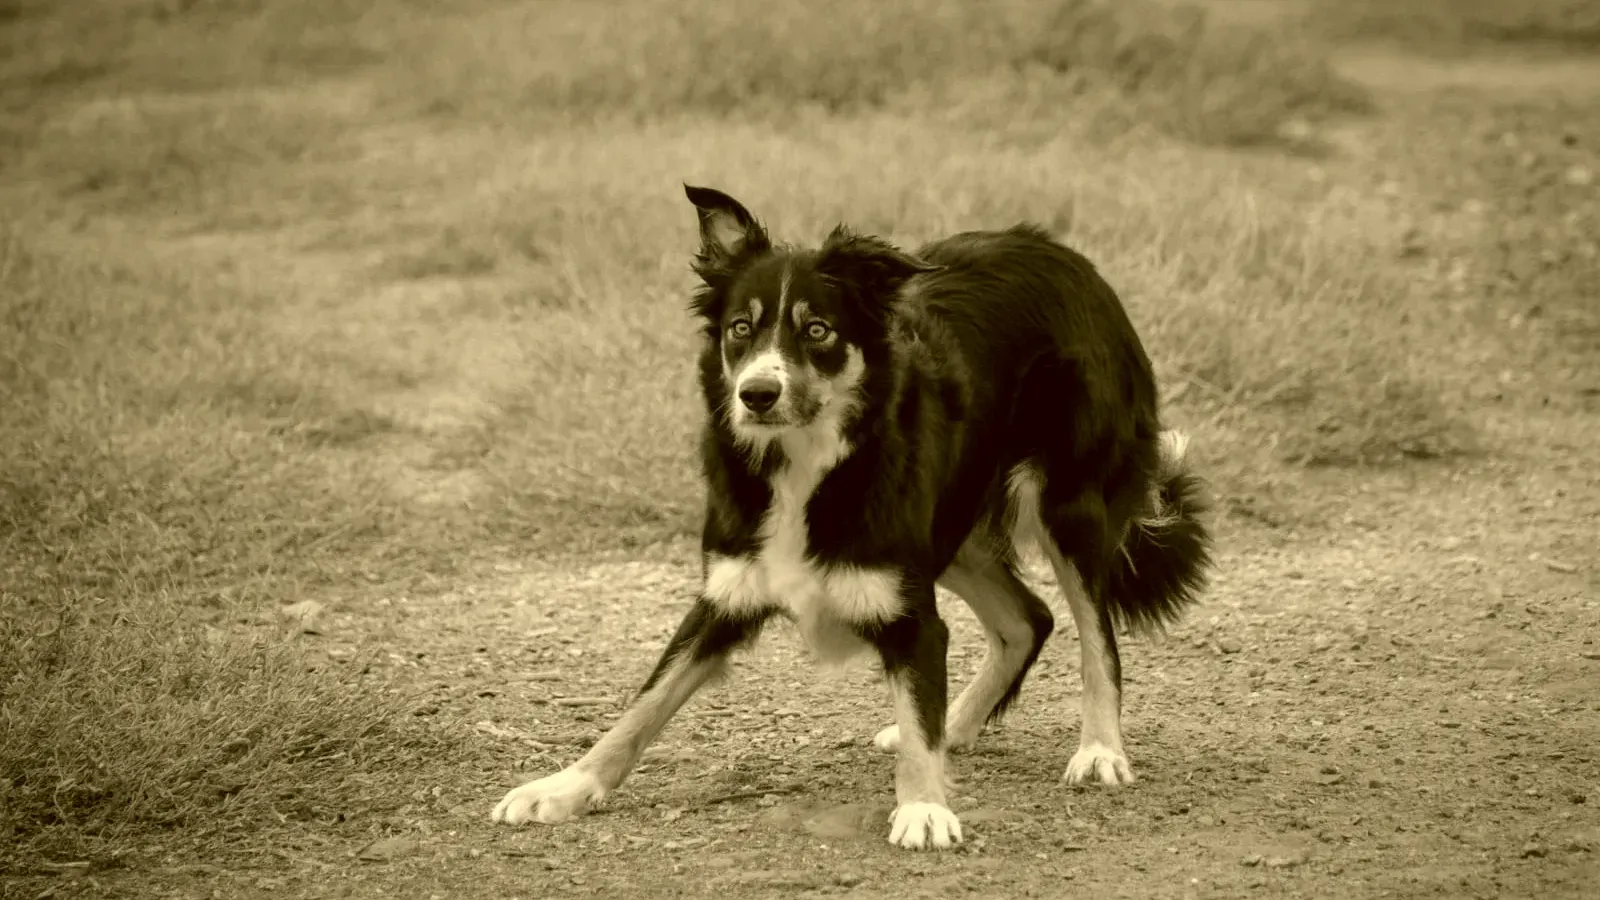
(826, 602)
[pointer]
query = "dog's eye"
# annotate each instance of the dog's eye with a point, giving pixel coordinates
(739, 329)
(818, 331)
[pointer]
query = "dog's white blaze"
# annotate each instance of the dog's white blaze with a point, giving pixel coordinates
(767, 364)
(784, 280)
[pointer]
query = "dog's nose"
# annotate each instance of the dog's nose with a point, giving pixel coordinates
(760, 394)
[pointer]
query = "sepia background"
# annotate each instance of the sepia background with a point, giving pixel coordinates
(347, 417)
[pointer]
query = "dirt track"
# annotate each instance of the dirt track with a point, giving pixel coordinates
(1390, 690)
(1399, 699)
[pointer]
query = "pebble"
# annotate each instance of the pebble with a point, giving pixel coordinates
(1229, 645)
(1580, 176)
(388, 848)
(304, 614)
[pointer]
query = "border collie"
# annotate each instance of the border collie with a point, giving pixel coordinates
(881, 422)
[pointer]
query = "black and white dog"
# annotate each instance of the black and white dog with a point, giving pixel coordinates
(881, 422)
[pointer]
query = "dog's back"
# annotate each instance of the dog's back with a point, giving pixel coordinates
(1036, 367)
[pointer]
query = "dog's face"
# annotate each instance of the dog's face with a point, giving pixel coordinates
(792, 329)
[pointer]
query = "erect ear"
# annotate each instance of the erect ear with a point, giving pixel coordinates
(871, 268)
(727, 229)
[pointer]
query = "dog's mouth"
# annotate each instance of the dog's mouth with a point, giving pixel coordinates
(766, 422)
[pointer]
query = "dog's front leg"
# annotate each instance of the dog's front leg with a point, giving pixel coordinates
(913, 650)
(697, 652)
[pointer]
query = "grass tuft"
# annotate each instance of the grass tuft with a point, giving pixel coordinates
(1193, 78)
(1464, 24)
(122, 719)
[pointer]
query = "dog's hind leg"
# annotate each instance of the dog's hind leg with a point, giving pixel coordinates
(1080, 548)
(913, 650)
(1016, 624)
(1100, 756)
(697, 653)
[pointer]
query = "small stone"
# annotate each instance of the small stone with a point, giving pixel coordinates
(1321, 642)
(388, 848)
(1533, 849)
(1580, 176)
(1253, 859)
(1296, 131)
(1229, 645)
(1412, 243)
(1283, 862)
(304, 614)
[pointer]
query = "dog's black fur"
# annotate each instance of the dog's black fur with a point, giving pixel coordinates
(976, 358)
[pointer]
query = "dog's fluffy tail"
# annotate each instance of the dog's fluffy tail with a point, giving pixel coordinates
(1163, 561)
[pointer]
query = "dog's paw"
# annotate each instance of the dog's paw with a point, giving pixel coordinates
(887, 740)
(918, 826)
(555, 798)
(1098, 763)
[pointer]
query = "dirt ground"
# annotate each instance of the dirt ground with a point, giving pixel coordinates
(1392, 687)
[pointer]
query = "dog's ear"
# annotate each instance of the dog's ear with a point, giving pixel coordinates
(727, 230)
(869, 268)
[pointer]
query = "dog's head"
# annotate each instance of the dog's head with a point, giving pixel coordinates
(792, 331)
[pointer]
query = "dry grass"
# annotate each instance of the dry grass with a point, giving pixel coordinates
(121, 721)
(1451, 25)
(301, 296)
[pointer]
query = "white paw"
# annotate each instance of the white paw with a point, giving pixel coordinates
(916, 826)
(1098, 763)
(552, 799)
(888, 739)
